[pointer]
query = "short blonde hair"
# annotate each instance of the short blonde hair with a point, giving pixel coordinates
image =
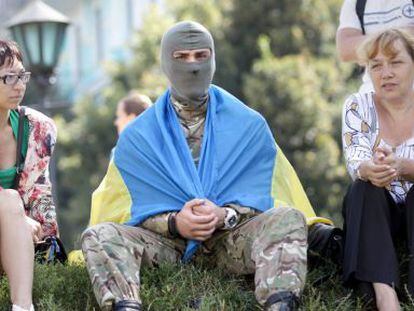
(385, 42)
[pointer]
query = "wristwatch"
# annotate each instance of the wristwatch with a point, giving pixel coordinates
(231, 219)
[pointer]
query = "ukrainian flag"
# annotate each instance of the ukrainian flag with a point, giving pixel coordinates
(153, 171)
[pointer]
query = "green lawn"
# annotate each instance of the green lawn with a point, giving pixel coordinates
(175, 287)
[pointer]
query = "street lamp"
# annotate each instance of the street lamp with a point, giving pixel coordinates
(40, 31)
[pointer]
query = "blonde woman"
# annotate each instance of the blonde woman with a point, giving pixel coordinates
(378, 142)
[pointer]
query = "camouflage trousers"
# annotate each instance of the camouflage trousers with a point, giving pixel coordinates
(272, 246)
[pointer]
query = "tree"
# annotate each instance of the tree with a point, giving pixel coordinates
(295, 94)
(83, 151)
(292, 26)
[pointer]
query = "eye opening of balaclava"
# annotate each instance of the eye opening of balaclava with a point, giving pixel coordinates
(189, 80)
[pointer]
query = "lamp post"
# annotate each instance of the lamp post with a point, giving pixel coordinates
(40, 31)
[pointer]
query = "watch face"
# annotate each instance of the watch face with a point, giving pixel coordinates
(232, 221)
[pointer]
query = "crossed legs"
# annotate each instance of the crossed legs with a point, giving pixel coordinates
(272, 246)
(372, 221)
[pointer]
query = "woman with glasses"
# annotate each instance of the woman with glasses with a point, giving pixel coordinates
(378, 141)
(27, 212)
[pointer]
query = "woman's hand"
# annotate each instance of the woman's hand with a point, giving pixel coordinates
(403, 166)
(195, 226)
(380, 175)
(35, 229)
(384, 155)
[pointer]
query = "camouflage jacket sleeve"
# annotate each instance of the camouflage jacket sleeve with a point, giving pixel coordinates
(159, 223)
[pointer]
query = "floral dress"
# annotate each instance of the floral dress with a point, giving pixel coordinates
(34, 185)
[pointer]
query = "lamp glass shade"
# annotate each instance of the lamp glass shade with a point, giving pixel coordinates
(30, 33)
(53, 34)
(41, 43)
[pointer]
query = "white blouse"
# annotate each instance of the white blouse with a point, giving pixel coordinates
(360, 136)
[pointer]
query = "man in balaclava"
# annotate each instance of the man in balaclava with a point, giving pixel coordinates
(194, 176)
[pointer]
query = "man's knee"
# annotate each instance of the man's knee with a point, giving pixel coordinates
(286, 215)
(283, 223)
(99, 233)
(11, 204)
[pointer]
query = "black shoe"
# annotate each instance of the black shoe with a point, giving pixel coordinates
(195, 303)
(326, 241)
(286, 301)
(127, 305)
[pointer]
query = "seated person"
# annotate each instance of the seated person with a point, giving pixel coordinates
(27, 212)
(128, 108)
(198, 172)
(378, 142)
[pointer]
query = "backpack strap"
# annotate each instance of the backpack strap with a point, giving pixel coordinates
(360, 9)
(19, 156)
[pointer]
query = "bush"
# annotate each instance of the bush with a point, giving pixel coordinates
(177, 287)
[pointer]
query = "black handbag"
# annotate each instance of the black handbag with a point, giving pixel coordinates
(50, 251)
(326, 241)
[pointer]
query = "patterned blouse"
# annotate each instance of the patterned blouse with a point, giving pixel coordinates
(360, 136)
(34, 185)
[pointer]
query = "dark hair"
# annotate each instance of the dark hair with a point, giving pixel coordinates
(9, 52)
(135, 103)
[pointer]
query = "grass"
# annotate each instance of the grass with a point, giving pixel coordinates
(176, 287)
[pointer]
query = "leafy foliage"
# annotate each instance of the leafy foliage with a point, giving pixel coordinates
(290, 92)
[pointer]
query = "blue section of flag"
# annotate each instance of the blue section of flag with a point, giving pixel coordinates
(236, 162)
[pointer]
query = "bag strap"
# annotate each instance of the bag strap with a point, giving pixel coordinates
(19, 156)
(360, 9)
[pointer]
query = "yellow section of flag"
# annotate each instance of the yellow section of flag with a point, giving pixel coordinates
(287, 189)
(111, 201)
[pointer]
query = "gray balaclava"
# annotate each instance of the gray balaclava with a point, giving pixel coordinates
(189, 81)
